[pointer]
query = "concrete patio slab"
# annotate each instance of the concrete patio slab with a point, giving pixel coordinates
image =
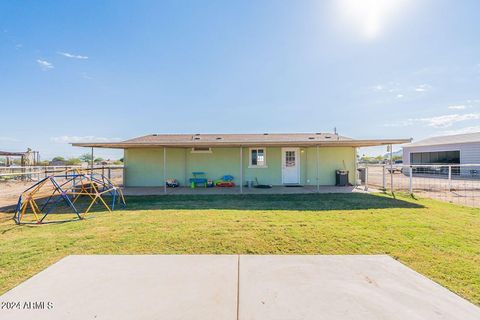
(147, 191)
(233, 287)
(131, 287)
(342, 287)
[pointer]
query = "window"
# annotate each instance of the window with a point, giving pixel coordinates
(258, 158)
(289, 158)
(439, 157)
(201, 150)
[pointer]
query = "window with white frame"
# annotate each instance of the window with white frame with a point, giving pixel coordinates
(258, 158)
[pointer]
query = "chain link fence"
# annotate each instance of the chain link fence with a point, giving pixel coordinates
(14, 180)
(458, 184)
(36, 173)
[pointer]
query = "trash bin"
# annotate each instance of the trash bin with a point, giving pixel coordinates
(341, 178)
(362, 174)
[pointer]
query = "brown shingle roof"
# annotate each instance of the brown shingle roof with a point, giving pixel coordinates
(235, 140)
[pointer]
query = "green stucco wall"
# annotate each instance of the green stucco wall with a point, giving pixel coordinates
(144, 167)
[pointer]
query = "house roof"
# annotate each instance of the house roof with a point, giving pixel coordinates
(236, 140)
(453, 139)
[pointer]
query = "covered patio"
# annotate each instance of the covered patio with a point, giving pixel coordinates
(147, 191)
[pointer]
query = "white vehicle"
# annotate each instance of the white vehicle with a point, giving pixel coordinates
(396, 167)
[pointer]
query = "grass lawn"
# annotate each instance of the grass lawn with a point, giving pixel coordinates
(439, 240)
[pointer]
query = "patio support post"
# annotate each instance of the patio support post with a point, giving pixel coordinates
(317, 171)
(185, 167)
(165, 170)
(384, 178)
(391, 168)
(366, 177)
(411, 181)
(91, 164)
(449, 178)
(123, 169)
(356, 174)
(241, 169)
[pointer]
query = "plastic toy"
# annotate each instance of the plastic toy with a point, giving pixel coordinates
(198, 179)
(172, 183)
(225, 182)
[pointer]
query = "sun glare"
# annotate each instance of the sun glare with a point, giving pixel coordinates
(369, 18)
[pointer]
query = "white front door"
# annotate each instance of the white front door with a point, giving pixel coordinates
(290, 165)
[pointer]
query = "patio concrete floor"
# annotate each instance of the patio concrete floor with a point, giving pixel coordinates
(137, 191)
(234, 287)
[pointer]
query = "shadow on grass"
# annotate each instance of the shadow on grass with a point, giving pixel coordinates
(294, 202)
(288, 202)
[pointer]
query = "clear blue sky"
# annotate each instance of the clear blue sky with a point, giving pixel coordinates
(83, 70)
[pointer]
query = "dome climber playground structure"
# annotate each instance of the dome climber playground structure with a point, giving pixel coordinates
(67, 196)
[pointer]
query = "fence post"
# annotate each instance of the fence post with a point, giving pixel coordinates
(411, 182)
(391, 167)
(109, 173)
(384, 179)
(449, 178)
(366, 177)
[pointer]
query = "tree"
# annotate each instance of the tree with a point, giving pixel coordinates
(73, 161)
(99, 159)
(86, 157)
(58, 158)
(395, 158)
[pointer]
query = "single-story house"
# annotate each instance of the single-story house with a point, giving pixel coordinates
(460, 149)
(275, 159)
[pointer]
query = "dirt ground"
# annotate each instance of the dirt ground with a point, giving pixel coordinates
(10, 190)
(459, 191)
(462, 191)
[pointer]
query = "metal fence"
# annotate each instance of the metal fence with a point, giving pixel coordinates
(459, 184)
(14, 180)
(35, 173)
